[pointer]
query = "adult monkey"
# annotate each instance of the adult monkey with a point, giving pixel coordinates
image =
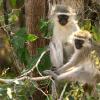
(63, 23)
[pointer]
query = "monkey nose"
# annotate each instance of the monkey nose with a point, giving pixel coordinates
(63, 22)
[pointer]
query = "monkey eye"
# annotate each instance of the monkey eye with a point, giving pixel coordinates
(79, 41)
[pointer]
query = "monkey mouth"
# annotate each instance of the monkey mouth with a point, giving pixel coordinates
(78, 47)
(63, 21)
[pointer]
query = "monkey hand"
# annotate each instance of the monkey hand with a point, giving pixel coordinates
(47, 72)
(51, 73)
(54, 68)
(59, 71)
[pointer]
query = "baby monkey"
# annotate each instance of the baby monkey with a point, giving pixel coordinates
(83, 64)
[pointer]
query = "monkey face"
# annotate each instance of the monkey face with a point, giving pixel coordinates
(79, 43)
(63, 19)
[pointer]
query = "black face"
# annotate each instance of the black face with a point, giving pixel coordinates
(63, 19)
(79, 43)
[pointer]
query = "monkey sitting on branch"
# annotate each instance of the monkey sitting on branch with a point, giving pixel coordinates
(63, 23)
(85, 61)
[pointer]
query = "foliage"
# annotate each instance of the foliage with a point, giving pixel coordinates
(44, 24)
(87, 25)
(16, 3)
(1, 4)
(18, 90)
(19, 40)
(45, 61)
(13, 2)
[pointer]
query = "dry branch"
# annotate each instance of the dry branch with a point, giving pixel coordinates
(36, 65)
(10, 81)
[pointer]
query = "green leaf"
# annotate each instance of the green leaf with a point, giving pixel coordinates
(45, 61)
(18, 42)
(13, 18)
(25, 36)
(96, 33)
(31, 37)
(21, 32)
(13, 3)
(86, 25)
(44, 28)
(1, 1)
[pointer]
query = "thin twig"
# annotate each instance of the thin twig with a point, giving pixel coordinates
(41, 91)
(62, 93)
(36, 65)
(9, 81)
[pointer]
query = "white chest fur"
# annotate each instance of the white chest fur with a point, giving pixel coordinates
(64, 33)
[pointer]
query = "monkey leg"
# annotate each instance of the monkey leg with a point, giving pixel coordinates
(56, 53)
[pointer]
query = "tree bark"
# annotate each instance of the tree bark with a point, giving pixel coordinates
(34, 11)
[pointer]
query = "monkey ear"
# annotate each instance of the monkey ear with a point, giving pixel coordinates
(51, 7)
(51, 10)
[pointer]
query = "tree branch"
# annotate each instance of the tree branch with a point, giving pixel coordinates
(10, 81)
(63, 91)
(36, 65)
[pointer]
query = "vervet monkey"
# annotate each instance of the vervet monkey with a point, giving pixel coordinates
(63, 24)
(85, 68)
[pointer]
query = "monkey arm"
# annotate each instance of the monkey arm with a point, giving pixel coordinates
(56, 53)
(69, 76)
(75, 59)
(76, 74)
